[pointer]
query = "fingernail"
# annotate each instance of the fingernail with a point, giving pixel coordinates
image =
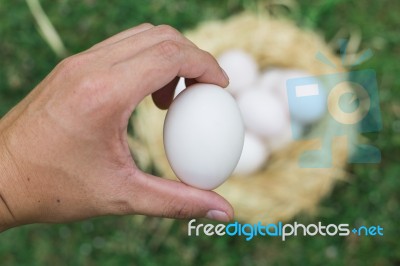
(218, 216)
(226, 75)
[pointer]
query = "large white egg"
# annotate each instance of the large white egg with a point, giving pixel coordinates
(203, 135)
(254, 155)
(262, 113)
(241, 69)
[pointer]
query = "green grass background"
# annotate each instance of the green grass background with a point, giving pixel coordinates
(369, 197)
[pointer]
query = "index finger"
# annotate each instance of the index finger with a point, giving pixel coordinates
(122, 35)
(158, 65)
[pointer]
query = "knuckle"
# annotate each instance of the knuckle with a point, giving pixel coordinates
(179, 210)
(73, 62)
(85, 77)
(66, 64)
(75, 65)
(207, 56)
(169, 31)
(146, 24)
(169, 50)
(87, 91)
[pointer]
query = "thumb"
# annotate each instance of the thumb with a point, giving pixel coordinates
(156, 196)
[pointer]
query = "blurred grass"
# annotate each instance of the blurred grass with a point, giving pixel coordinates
(370, 197)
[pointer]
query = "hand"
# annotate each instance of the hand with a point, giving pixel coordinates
(64, 154)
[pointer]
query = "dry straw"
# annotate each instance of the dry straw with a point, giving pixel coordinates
(281, 189)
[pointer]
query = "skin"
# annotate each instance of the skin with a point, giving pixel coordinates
(63, 149)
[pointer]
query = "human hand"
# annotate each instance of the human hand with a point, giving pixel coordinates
(64, 154)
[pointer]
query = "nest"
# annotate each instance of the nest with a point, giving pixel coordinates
(282, 188)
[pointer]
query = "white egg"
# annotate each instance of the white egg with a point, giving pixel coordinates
(262, 113)
(241, 69)
(275, 79)
(292, 132)
(272, 79)
(254, 155)
(203, 135)
(180, 86)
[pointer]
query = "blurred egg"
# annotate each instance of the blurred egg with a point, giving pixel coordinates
(262, 113)
(203, 135)
(254, 155)
(275, 81)
(180, 86)
(291, 132)
(241, 69)
(277, 78)
(272, 79)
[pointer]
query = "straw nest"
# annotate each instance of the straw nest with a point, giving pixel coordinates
(282, 188)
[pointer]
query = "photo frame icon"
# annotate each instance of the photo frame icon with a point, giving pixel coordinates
(351, 103)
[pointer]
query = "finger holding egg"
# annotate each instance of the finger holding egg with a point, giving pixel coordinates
(241, 69)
